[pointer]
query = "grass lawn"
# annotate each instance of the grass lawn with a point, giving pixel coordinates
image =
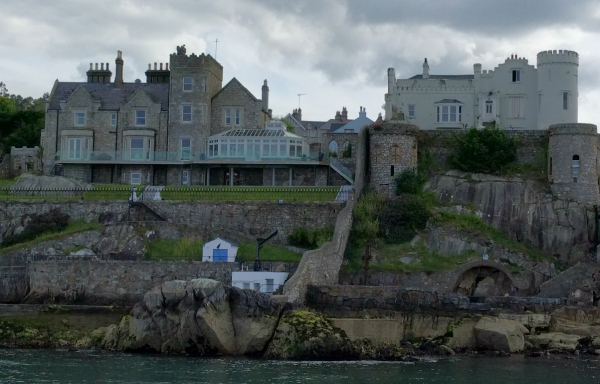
(72, 228)
(388, 258)
(250, 193)
(191, 249)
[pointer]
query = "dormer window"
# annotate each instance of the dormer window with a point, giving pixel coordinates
(516, 75)
(80, 118)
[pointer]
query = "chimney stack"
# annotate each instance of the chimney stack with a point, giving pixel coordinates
(119, 73)
(344, 114)
(265, 97)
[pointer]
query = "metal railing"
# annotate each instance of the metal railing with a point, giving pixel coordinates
(141, 156)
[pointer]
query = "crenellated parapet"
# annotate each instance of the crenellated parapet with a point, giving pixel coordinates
(557, 57)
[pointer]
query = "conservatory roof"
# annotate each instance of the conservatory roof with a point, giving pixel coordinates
(256, 133)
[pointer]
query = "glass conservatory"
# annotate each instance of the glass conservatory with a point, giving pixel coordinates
(257, 145)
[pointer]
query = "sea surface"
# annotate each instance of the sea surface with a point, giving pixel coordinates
(49, 366)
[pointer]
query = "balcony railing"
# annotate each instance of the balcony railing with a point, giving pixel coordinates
(139, 156)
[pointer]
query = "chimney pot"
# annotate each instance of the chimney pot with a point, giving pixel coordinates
(155, 66)
(96, 66)
(161, 66)
(149, 66)
(91, 66)
(102, 66)
(107, 66)
(167, 66)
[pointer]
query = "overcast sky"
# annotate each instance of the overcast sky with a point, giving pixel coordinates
(336, 52)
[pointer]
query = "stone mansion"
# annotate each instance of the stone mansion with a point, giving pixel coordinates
(179, 127)
(515, 95)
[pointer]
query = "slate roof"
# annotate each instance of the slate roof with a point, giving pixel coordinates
(449, 101)
(355, 125)
(109, 95)
(445, 77)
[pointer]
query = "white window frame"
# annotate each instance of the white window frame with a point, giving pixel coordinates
(136, 153)
(75, 144)
(140, 117)
(445, 111)
(185, 114)
(113, 119)
(188, 84)
(238, 116)
(138, 178)
(489, 107)
(515, 76)
(186, 152)
(185, 177)
(227, 116)
(411, 110)
(79, 118)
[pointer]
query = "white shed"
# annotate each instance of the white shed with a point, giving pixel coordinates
(219, 250)
(263, 281)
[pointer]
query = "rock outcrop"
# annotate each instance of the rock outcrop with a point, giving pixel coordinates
(524, 211)
(500, 335)
(198, 317)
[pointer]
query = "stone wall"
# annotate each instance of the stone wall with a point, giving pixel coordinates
(322, 266)
(251, 218)
(361, 301)
(14, 284)
(113, 282)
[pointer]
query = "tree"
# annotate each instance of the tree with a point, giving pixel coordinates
(485, 151)
(3, 90)
(21, 119)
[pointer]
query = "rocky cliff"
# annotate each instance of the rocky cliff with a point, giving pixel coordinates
(524, 211)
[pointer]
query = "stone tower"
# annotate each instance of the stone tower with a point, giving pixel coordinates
(573, 162)
(557, 87)
(392, 149)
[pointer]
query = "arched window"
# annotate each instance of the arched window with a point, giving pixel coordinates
(575, 165)
(395, 154)
(333, 146)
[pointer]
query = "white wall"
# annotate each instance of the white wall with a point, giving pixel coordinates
(258, 280)
(207, 250)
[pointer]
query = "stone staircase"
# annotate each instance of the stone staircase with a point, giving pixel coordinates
(566, 281)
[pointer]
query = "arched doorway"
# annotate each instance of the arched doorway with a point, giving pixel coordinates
(333, 146)
(483, 279)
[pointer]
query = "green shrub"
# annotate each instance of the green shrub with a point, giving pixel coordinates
(310, 238)
(401, 219)
(488, 150)
(409, 181)
(52, 221)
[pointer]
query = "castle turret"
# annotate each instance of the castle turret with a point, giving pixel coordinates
(391, 79)
(557, 87)
(572, 167)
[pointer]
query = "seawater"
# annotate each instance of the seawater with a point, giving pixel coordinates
(48, 366)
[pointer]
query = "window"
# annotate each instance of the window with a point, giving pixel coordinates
(376, 154)
(80, 118)
(575, 165)
(223, 147)
(411, 110)
(74, 149)
(270, 286)
(203, 85)
(550, 167)
(449, 113)
(516, 106)
(246, 285)
(213, 148)
(238, 117)
(489, 105)
(516, 75)
(257, 286)
(186, 113)
(395, 154)
(140, 117)
(232, 148)
(565, 100)
(136, 146)
(113, 119)
(135, 178)
(187, 84)
(282, 147)
(391, 170)
(186, 148)
(228, 117)
(185, 177)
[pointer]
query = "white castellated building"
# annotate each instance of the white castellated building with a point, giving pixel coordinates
(515, 95)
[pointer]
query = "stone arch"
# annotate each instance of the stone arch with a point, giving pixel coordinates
(347, 149)
(333, 146)
(484, 278)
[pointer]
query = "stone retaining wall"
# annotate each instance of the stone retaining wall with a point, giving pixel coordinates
(360, 301)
